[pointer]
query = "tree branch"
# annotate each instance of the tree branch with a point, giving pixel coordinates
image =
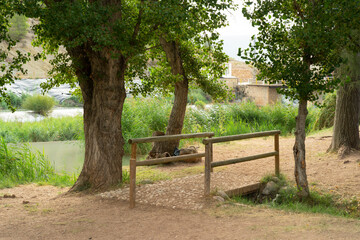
(137, 26)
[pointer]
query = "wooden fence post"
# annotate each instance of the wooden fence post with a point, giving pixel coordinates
(211, 156)
(277, 156)
(208, 160)
(133, 175)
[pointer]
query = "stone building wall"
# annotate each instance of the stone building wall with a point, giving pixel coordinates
(262, 94)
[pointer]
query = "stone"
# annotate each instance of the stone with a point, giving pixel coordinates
(218, 198)
(347, 161)
(270, 188)
(9, 196)
(275, 179)
(222, 194)
(146, 181)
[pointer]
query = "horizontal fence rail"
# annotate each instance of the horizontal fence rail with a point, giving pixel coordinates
(209, 164)
(134, 163)
(244, 159)
(169, 159)
(240, 137)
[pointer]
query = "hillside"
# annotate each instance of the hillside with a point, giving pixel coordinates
(36, 69)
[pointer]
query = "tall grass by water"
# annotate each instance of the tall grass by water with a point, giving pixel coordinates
(49, 129)
(143, 116)
(20, 164)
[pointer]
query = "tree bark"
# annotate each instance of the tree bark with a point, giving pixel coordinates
(101, 80)
(177, 116)
(346, 124)
(299, 151)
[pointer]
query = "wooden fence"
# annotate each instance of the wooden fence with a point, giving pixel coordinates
(209, 164)
(134, 163)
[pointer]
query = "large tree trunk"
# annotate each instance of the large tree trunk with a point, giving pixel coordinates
(346, 124)
(299, 151)
(177, 116)
(104, 95)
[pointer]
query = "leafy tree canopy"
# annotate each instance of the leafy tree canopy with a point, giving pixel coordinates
(134, 35)
(299, 42)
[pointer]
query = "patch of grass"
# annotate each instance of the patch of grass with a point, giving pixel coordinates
(187, 171)
(50, 129)
(280, 179)
(152, 174)
(19, 164)
(318, 202)
(145, 175)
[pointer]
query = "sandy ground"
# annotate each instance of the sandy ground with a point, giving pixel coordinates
(176, 209)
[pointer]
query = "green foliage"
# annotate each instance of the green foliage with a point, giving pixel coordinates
(294, 44)
(282, 181)
(19, 164)
(200, 104)
(239, 118)
(326, 115)
(49, 129)
(15, 100)
(143, 116)
(40, 104)
(9, 66)
(198, 95)
(19, 27)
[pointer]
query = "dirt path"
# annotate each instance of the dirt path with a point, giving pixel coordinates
(175, 209)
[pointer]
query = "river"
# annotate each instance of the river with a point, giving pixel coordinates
(67, 156)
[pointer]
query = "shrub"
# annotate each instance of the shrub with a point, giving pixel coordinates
(198, 95)
(40, 104)
(15, 100)
(200, 104)
(325, 117)
(18, 27)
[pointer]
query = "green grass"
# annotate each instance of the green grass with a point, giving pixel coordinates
(143, 116)
(146, 174)
(19, 164)
(318, 202)
(49, 129)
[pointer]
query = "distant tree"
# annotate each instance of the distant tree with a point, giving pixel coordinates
(298, 43)
(18, 27)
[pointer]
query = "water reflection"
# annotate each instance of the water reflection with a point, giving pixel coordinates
(66, 156)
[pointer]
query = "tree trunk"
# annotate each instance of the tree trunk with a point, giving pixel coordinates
(177, 116)
(346, 124)
(299, 151)
(104, 95)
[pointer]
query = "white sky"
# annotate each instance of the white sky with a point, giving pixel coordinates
(238, 33)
